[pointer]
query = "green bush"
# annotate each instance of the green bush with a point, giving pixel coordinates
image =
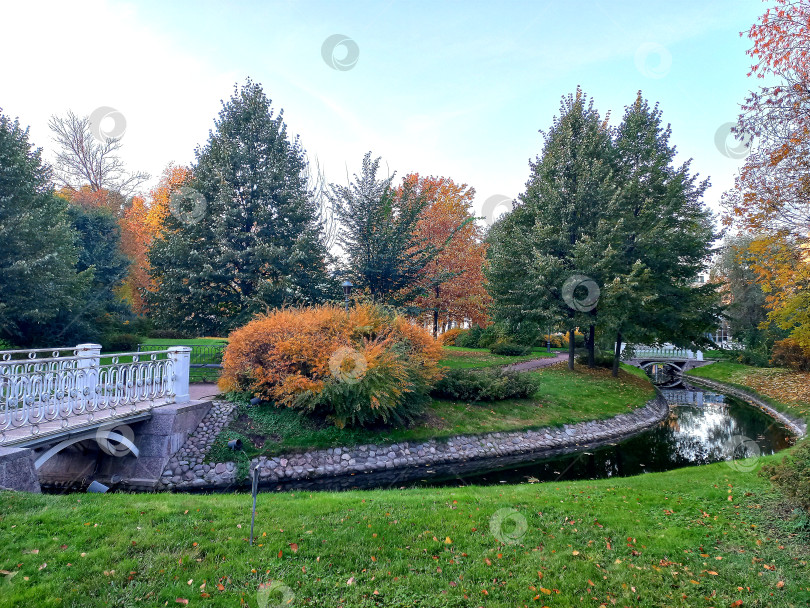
(752, 357)
(470, 338)
(167, 334)
(792, 475)
(600, 360)
(509, 349)
(484, 385)
(120, 343)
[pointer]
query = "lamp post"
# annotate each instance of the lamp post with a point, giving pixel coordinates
(347, 291)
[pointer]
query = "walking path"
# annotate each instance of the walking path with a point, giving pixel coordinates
(200, 391)
(527, 366)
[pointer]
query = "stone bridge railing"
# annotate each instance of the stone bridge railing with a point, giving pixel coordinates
(40, 386)
(665, 352)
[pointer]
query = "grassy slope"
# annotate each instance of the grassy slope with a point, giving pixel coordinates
(561, 398)
(693, 537)
(785, 390)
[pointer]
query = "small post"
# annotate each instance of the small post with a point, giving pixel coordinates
(254, 491)
(181, 361)
(548, 340)
(89, 363)
(347, 291)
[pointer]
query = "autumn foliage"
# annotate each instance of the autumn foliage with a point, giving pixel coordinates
(369, 367)
(452, 285)
(771, 198)
(142, 222)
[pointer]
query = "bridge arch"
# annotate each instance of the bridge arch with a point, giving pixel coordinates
(108, 436)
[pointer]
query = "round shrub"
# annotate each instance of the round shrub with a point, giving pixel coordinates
(470, 337)
(369, 367)
(789, 353)
(484, 385)
(509, 349)
(167, 334)
(599, 359)
(120, 343)
(449, 337)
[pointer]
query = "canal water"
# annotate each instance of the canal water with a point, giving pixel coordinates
(702, 427)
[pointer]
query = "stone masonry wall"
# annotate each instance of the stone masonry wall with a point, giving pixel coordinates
(186, 469)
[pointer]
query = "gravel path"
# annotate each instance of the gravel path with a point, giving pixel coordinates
(528, 366)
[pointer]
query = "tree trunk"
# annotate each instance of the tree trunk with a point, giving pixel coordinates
(592, 347)
(436, 315)
(571, 346)
(617, 354)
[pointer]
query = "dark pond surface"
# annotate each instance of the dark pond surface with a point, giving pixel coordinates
(702, 427)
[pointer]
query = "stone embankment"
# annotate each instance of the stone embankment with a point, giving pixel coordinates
(187, 470)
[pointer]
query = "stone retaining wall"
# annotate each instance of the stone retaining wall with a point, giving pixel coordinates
(186, 471)
(796, 426)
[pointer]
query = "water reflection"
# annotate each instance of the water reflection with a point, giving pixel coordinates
(701, 428)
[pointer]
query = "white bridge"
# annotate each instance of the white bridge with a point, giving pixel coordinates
(654, 359)
(68, 395)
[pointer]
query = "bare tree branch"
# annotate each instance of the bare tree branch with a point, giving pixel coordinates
(84, 159)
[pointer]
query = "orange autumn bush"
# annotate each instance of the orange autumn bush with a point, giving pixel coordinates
(448, 338)
(369, 367)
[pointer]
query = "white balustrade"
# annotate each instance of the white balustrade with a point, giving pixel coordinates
(36, 388)
(664, 352)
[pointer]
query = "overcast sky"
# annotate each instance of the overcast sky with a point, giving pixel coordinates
(449, 88)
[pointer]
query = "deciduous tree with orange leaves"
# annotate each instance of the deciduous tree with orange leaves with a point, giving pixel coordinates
(452, 283)
(141, 223)
(771, 197)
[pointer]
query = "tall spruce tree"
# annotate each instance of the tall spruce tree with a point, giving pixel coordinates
(39, 281)
(656, 239)
(98, 240)
(243, 236)
(535, 250)
(385, 257)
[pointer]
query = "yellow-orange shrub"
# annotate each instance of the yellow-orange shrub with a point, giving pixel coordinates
(448, 338)
(360, 369)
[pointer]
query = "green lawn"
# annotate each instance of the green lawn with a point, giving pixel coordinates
(722, 371)
(702, 536)
(562, 397)
(195, 374)
(456, 357)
